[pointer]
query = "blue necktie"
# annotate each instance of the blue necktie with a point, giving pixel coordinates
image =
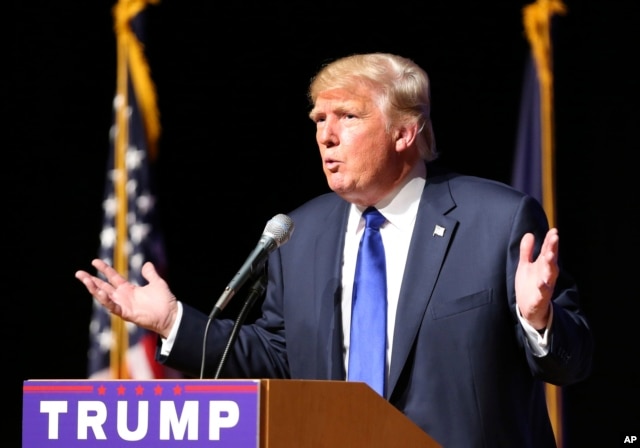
(367, 346)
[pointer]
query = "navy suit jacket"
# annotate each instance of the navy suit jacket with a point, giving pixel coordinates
(461, 367)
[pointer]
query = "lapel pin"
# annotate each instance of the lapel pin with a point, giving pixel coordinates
(438, 231)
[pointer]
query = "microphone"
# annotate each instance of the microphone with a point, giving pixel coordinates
(277, 232)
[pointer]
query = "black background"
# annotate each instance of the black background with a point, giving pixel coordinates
(237, 148)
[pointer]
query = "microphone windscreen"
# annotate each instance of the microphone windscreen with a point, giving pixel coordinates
(280, 228)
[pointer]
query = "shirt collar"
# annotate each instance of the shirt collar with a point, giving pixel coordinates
(400, 207)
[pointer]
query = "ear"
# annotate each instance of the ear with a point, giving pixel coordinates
(406, 136)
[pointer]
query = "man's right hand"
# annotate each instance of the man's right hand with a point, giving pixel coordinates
(152, 306)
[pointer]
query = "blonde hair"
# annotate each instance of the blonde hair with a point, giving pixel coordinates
(403, 90)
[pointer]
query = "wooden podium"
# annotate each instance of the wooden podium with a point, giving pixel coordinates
(223, 413)
(331, 414)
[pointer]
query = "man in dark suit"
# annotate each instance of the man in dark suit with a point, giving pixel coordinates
(479, 313)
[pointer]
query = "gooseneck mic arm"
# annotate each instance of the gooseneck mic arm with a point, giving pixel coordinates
(277, 232)
(256, 290)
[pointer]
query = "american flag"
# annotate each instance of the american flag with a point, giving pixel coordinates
(130, 233)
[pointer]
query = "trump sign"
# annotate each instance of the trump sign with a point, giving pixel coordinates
(150, 413)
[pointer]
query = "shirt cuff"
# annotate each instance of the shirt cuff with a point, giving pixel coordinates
(167, 344)
(538, 340)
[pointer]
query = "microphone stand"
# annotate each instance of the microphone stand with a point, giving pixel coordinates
(256, 290)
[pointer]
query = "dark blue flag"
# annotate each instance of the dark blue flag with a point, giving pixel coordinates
(527, 163)
(534, 158)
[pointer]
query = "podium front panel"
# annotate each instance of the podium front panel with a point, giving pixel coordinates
(150, 413)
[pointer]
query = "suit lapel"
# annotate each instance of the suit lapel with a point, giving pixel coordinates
(431, 237)
(327, 259)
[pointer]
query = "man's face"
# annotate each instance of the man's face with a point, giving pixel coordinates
(357, 152)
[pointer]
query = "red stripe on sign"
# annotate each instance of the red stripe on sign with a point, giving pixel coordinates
(77, 389)
(228, 388)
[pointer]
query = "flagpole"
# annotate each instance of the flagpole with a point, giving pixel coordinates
(120, 259)
(130, 62)
(537, 23)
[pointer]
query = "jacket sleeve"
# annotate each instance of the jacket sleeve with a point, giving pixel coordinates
(569, 359)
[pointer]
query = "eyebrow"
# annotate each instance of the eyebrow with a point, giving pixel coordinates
(344, 107)
(313, 113)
